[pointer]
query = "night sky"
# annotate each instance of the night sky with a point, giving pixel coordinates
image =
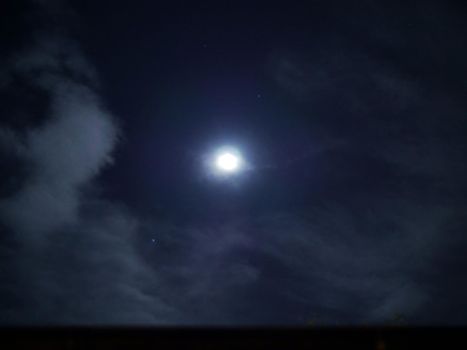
(349, 119)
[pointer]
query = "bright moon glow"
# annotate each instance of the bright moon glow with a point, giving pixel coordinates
(227, 162)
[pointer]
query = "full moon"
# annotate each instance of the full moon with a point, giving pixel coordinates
(227, 162)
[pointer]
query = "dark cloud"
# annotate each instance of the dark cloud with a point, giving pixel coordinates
(67, 257)
(403, 118)
(65, 152)
(360, 261)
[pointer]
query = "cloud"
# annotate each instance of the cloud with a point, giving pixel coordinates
(67, 256)
(395, 188)
(68, 150)
(380, 234)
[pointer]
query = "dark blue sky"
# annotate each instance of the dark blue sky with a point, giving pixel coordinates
(352, 118)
